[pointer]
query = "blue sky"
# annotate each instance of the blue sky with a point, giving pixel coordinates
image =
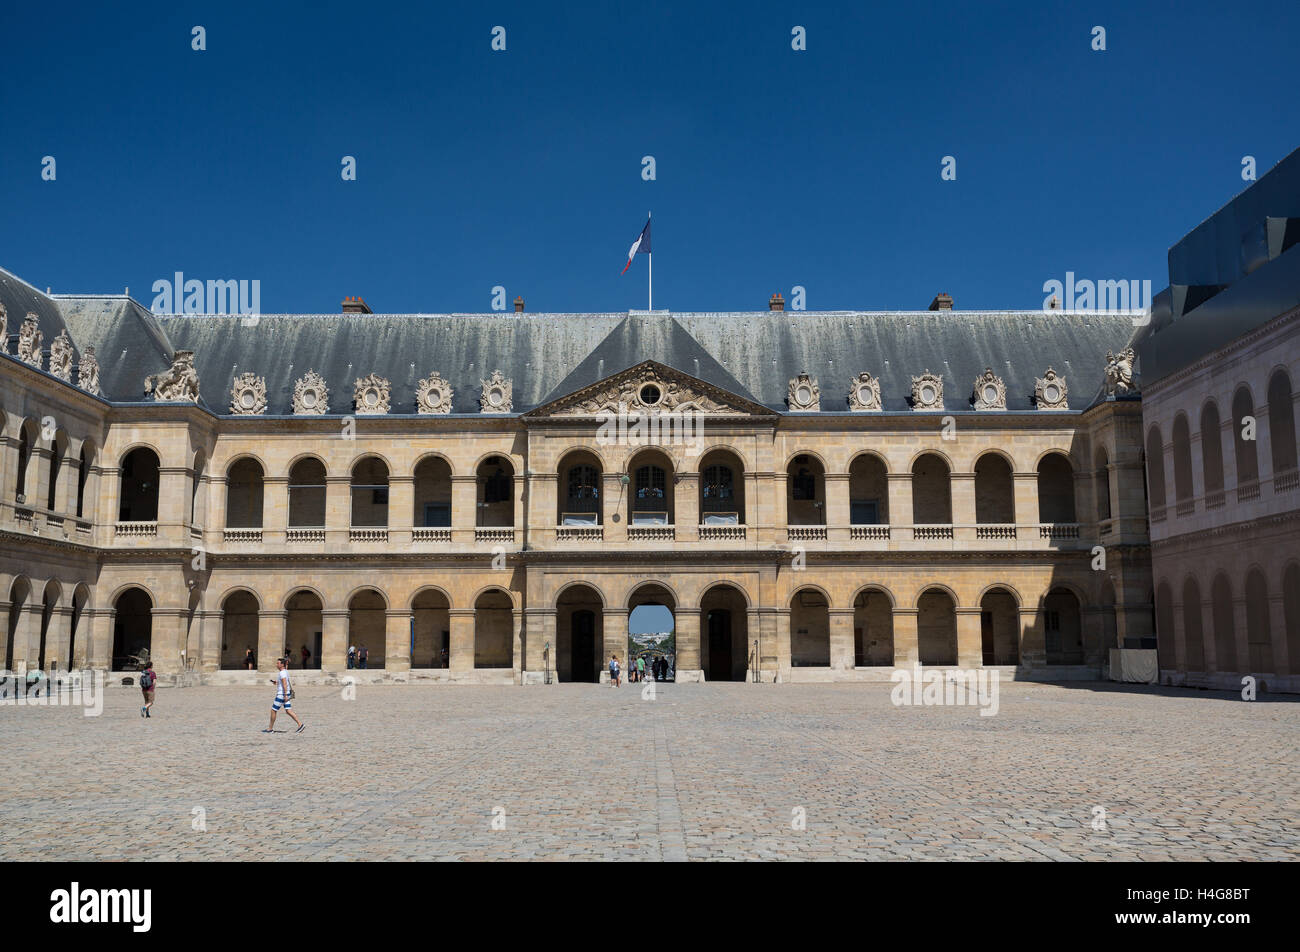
(522, 168)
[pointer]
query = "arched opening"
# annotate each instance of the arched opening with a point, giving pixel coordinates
(1182, 464)
(138, 496)
(239, 631)
(431, 630)
(1062, 627)
(1243, 425)
(58, 450)
(873, 629)
(432, 494)
(1155, 470)
(496, 498)
(15, 640)
(651, 625)
(1164, 626)
(1291, 614)
(1225, 629)
(724, 630)
(1193, 630)
(995, 498)
(722, 489)
(1000, 627)
(579, 635)
(805, 493)
(868, 491)
(1103, 486)
(931, 491)
(651, 500)
(494, 637)
(46, 653)
(1281, 428)
(304, 626)
(1056, 489)
(27, 436)
(578, 501)
(810, 629)
(244, 494)
(936, 628)
(132, 629)
(307, 494)
(198, 511)
(1259, 634)
(368, 628)
(77, 639)
(83, 474)
(1212, 455)
(370, 493)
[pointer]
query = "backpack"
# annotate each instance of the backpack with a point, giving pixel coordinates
(147, 679)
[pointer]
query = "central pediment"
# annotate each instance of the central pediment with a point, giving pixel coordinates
(649, 387)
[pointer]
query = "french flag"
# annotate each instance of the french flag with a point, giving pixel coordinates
(639, 247)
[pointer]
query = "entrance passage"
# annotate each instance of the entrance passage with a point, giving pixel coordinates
(582, 647)
(579, 618)
(724, 630)
(719, 628)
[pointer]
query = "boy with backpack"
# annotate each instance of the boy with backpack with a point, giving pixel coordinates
(147, 682)
(613, 670)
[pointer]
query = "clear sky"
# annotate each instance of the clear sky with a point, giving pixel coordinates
(522, 168)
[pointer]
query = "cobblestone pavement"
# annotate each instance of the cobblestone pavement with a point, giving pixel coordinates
(714, 771)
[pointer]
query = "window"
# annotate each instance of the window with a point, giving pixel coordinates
(437, 514)
(719, 491)
(864, 512)
(496, 488)
(584, 489)
(650, 485)
(1053, 620)
(805, 484)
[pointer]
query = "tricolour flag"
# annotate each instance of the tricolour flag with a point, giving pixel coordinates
(639, 247)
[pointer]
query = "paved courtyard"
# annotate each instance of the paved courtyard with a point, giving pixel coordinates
(714, 771)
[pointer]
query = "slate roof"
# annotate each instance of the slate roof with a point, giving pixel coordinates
(547, 356)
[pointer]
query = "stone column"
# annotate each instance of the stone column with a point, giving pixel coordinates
(1025, 486)
(781, 507)
(907, 645)
(27, 634)
(783, 665)
(461, 660)
(58, 638)
(1033, 646)
(209, 623)
(614, 624)
(841, 637)
(338, 513)
(37, 485)
(173, 507)
(1277, 629)
(65, 499)
(900, 504)
(687, 622)
(768, 645)
(334, 639)
(686, 507)
(520, 503)
(397, 639)
(753, 646)
(271, 626)
(970, 646)
(167, 639)
(520, 645)
(275, 508)
(543, 506)
(1094, 627)
(536, 640)
(614, 497)
(401, 512)
(837, 507)
(214, 515)
(963, 510)
(100, 653)
(464, 509)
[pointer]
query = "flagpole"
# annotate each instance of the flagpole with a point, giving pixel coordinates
(650, 262)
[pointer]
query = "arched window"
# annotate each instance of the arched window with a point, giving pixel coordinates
(805, 505)
(719, 488)
(1259, 630)
(804, 484)
(651, 500)
(994, 495)
(1183, 466)
(25, 440)
(868, 491)
(307, 494)
(1212, 456)
(244, 494)
(1103, 486)
(584, 489)
(1225, 631)
(1056, 489)
(931, 491)
(370, 492)
(138, 498)
(58, 450)
(1243, 425)
(1193, 630)
(496, 501)
(432, 493)
(1156, 473)
(83, 474)
(1281, 429)
(496, 486)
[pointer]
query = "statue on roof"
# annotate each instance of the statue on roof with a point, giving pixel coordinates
(61, 356)
(1119, 372)
(29, 342)
(179, 383)
(4, 330)
(88, 372)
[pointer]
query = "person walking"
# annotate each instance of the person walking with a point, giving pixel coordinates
(306, 657)
(640, 668)
(364, 655)
(283, 698)
(613, 670)
(249, 660)
(352, 656)
(148, 682)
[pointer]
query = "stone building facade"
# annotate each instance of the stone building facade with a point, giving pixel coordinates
(478, 498)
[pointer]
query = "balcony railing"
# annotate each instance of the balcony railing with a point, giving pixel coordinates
(1106, 527)
(1185, 507)
(242, 535)
(1215, 500)
(136, 530)
(24, 518)
(1285, 482)
(306, 534)
(494, 534)
(579, 533)
(995, 530)
(368, 534)
(655, 533)
(719, 533)
(932, 532)
(431, 534)
(806, 533)
(1158, 515)
(1247, 492)
(1058, 530)
(873, 533)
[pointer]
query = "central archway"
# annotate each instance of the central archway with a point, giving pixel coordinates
(724, 633)
(579, 634)
(652, 630)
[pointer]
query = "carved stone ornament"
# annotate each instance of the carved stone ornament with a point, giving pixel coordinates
(927, 391)
(88, 371)
(248, 395)
(864, 393)
(61, 356)
(29, 342)
(4, 330)
(433, 395)
(179, 383)
(1119, 372)
(1050, 391)
(803, 393)
(641, 389)
(990, 391)
(310, 395)
(371, 394)
(496, 396)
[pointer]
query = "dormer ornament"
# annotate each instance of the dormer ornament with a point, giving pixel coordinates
(1119, 372)
(4, 330)
(1050, 391)
(433, 395)
(179, 383)
(990, 391)
(88, 371)
(248, 395)
(864, 393)
(496, 396)
(310, 395)
(371, 394)
(61, 356)
(29, 342)
(804, 394)
(927, 391)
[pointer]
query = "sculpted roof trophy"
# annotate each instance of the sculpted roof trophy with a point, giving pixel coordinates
(1050, 391)
(29, 342)
(248, 395)
(864, 392)
(990, 391)
(497, 394)
(371, 394)
(1119, 372)
(310, 395)
(803, 393)
(4, 330)
(61, 356)
(927, 391)
(88, 371)
(433, 395)
(178, 383)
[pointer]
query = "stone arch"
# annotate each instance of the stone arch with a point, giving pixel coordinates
(1259, 633)
(245, 493)
(873, 626)
(20, 595)
(724, 631)
(580, 647)
(868, 489)
(1000, 625)
(1063, 624)
(936, 625)
(240, 628)
(494, 643)
(428, 455)
(805, 490)
(87, 460)
(995, 492)
(431, 627)
(746, 464)
(651, 584)
(810, 627)
(1056, 488)
(581, 484)
(494, 477)
(233, 589)
(300, 589)
(1281, 422)
(931, 489)
(368, 625)
(58, 457)
(432, 493)
(368, 486)
(308, 487)
(1182, 440)
(138, 480)
(738, 586)
(1225, 628)
(1246, 451)
(1155, 453)
(1193, 626)
(651, 494)
(132, 624)
(1291, 613)
(1102, 472)
(722, 486)
(26, 479)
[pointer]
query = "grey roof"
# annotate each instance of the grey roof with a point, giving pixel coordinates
(21, 299)
(128, 342)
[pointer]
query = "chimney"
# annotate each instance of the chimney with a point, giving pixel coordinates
(519, 304)
(1054, 304)
(776, 302)
(941, 302)
(354, 305)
